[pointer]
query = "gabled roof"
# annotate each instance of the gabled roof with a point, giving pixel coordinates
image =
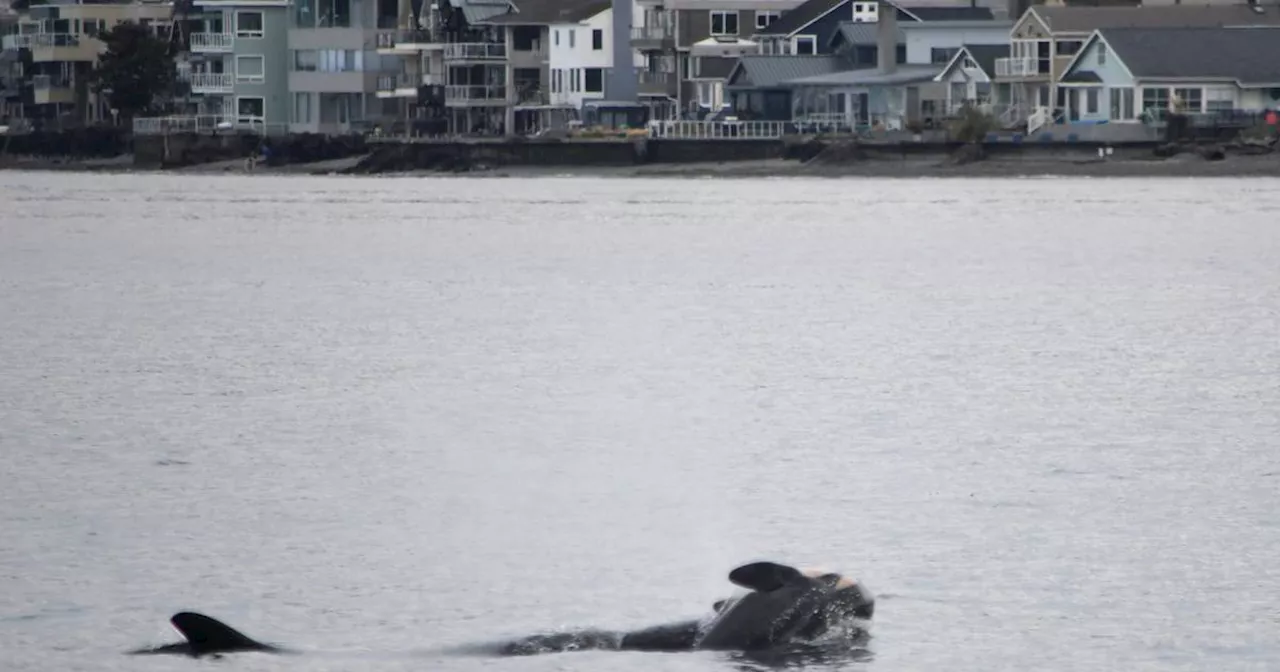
(802, 17)
(1078, 19)
(799, 18)
(767, 72)
(543, 12)
(859, 33)
(1248, 56)
(983, 55)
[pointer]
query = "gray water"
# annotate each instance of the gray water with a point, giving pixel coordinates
(374, 419)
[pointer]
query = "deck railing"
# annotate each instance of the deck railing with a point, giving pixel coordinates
(727, 130)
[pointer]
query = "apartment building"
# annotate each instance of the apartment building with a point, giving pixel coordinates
(237, 61)
(56, 46)
(335, 63)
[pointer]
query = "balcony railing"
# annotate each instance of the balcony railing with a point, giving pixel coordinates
(1019, 66)
(405, 38)
(17, 41)
(475, 94)
(727, 130)
(654, 82)
(397, 81)
(44, 82)
(655, 33)
(475, 51)
(48, 40)
(199, 124)
(212, 82)
(212, 43)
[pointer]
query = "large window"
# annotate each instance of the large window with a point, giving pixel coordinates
(304, 13)
(333, 13)
(248, 24)
(328, 60)
(1219, 99)
(1121, 104)
(302, 108)
(250, 69)
(1192, 100)
(724, 23)
(593, 80)
(1155, 102)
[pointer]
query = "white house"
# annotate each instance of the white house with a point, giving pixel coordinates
(969, 76)
(580, 57)
(936, 42)
(1129, 75)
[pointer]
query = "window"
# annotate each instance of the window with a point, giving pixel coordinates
(866, 12)
(942, 55)
(306, 60)
(1121, 104)
(1102, 53)
(254, 107)
(1192, 100)
(724, 23)
(301, 108)
(1068, 47)
(248, 24)
(593, 80)
(969, 64)
(1091, 100)
(806, 45)
(557, 38)
(333, 13)
(1155, 102)
(304, 13)
(250, 69)
(1219, 99)
(597, 39)
(764, 18)
(572, 33)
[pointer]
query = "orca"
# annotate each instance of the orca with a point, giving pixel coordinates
(785, 606)
(207, 636)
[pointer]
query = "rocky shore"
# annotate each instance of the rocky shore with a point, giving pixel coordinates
(831, 160)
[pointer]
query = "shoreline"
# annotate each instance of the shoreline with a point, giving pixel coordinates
(1182, 165)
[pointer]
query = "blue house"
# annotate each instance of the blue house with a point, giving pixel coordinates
(1134, 75)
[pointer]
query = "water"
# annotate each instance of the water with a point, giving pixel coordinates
(377, 418)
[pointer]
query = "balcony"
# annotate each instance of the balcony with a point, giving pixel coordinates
(464, 96)
(14, 42)
(1021, 67)
(475, 52)
(397, 86)
(212, 43)
(404, 41)
(660, 36)
(655, 83)
(47, 89)
(62, 47)
(212, 82)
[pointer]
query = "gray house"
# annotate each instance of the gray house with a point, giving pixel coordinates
(238, 63)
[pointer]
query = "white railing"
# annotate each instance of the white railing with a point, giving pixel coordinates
(212, 82)
(1022, 66)
(204, 123)
(463, 93)
(1039, 119)
(475, 51)
(17, 41)
(432, 80)
(212, 42)
(705, 130)
(39, 40)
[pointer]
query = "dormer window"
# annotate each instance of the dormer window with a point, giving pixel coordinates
(866, 12)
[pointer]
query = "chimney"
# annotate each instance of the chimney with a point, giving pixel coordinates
(886, 37)
(622, 84)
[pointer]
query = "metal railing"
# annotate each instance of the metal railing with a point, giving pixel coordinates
(40, 82)
(647, 77)
(212, 42)
(475, 51)
(1021, 66)
(656, 33)
(397, 81)
(463, 93)
(726, 130)
(203, 123)
(46, 40)
(212, 82)
(404, 37)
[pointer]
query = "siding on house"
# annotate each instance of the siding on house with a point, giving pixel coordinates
(922, 38)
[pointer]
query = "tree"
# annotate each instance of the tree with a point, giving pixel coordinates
(136, 69)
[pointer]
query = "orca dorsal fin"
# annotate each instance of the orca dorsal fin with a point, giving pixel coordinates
(209, 635)
(764, 576)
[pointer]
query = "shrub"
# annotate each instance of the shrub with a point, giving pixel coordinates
(972, 125)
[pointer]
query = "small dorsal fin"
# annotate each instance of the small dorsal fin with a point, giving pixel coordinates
(764, 576)
(209, 635)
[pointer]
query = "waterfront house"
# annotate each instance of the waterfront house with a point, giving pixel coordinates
(1046, 38)
(857, 39)
(57, 45)
(968, 77)
(758, 86)
(237, 62)
(1129, 75)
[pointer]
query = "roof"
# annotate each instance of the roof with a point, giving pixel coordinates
(1081, 77)
(861, 33)
(903, 74)
(801, 16)
(951, 13)
(1078, 19)
(985, 55)
(710, 67)
(769, 72)
(541, 12)
(1250, 56)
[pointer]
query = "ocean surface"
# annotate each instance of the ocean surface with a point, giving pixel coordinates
(377, 419)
